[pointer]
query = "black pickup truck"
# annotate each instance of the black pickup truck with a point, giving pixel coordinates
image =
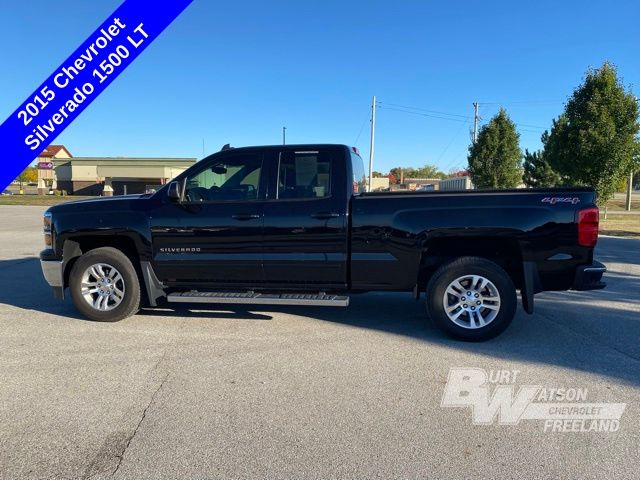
(293, 225)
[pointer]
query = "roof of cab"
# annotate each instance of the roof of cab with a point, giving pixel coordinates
(292, 146)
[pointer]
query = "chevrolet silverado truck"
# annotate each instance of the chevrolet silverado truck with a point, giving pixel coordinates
(293, 225)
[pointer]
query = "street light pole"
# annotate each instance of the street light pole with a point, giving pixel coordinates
(284, 135)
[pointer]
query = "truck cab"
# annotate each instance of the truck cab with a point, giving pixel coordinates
(274, 217)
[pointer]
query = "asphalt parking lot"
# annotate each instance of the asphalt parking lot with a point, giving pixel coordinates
(294, 392)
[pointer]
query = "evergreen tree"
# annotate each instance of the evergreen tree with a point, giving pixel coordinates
(495, 159)
(538, 172)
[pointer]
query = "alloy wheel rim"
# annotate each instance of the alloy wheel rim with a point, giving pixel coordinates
(102, 287)
(471, 301)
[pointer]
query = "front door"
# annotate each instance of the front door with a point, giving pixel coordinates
(305, 220)
(213, 237)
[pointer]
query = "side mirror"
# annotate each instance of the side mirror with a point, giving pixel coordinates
(173, 192)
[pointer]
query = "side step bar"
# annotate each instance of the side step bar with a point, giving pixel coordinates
(315, 299)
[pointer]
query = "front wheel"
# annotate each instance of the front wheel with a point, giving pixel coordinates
(471, 298)
(104, 285)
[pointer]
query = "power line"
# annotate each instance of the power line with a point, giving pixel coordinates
(526, 102)
(530, 126)
(426, 114)
(529, 130)
(450, 143)
(423, 110)
(517, 124)
(355, 143)
(439, 114)
(464, 120)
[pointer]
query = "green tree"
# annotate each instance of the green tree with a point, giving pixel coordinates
(28, 175)
(494, 160)
(538, 172)
(594, 140)
(428, 171)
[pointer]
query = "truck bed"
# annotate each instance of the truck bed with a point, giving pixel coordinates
(392, 232)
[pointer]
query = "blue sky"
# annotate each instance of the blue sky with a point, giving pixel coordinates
(236, 72)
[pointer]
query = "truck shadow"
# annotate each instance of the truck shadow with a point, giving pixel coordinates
(22, 285)
(206, 311)
(594, 332)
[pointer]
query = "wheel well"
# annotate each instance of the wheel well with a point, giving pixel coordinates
(504, 252)
(75, 247)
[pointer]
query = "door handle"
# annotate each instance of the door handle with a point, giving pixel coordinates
(325, 215)
(245, 216)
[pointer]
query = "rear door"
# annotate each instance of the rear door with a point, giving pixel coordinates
(305, 219)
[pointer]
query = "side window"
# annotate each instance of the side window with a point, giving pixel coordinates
(359, 177)
(304, 175)
(232, 178)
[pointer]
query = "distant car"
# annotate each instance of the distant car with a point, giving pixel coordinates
(6, 192)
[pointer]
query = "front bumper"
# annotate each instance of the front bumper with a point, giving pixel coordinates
(53, 271)
(588, 277)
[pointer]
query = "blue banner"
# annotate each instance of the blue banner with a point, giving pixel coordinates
(80, 79)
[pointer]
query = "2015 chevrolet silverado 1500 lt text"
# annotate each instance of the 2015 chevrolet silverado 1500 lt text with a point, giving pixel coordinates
(293, 225)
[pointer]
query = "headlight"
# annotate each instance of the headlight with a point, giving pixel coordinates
(48, 231)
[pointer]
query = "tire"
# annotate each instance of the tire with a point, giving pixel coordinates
(485, 313)
(120, 297)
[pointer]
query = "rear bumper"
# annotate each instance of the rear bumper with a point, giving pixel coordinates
(588, 277)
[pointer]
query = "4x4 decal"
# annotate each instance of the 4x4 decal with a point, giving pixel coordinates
(554, 200)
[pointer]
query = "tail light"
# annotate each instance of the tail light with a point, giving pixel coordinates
(588, 220)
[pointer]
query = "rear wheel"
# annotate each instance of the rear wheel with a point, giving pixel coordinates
(471, 298)
(104, 285)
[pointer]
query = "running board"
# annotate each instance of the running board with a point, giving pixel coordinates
(312, 299)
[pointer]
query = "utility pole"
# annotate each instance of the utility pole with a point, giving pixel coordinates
(372, 144)
(475, 121)
(284, 135)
